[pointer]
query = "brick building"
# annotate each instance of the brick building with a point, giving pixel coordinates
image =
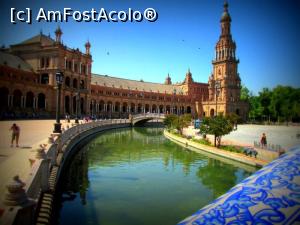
(28, 86)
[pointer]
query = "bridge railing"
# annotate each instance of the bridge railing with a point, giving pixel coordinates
(148, 115)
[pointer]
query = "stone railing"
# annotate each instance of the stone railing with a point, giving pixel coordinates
(32, 200)
(270, 147)
(146, 116)
(269, 196)
(149, 115)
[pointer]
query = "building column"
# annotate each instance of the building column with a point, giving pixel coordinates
(11, 100)
(25, 100)
(8, 100)
(111, 107)
(73, 65)
(34, 103)
(51, 78)
(65, 63)
(22, 98)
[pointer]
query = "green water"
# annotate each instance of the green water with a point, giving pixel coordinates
(138, 177)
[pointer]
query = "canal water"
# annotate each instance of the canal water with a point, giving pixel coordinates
(136, 176)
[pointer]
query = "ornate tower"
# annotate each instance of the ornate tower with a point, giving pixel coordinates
(225, 82)
(188, 78)
(87, 48)
(58, 34)
(168, 80)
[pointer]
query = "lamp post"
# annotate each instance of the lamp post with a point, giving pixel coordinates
(59, 81)
(77, 107)
(217, 87)
(174, 93)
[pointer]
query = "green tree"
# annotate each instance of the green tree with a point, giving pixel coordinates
(245, 93)
(217, 126)
(233, 119)
(177, 122)
(183, 121)
(170, 121)
(281, 103)
(255, 110)
(265, 100)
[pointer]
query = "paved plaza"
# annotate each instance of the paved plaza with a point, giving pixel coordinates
(16, 161)
(285, 136)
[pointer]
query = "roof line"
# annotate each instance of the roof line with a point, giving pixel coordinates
(176, 84)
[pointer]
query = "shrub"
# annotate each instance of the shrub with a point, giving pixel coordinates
(232, 148)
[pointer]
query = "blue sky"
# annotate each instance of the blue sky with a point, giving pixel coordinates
(266, 32)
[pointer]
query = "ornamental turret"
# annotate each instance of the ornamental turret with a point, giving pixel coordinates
(168, 80)
(58, 34)
(188, 77)
(87, 48)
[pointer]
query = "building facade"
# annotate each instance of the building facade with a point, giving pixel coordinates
(28, 85)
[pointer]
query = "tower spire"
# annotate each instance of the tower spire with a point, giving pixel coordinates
(225, 21)
(58, 34)
(225, 48)
(168, 80)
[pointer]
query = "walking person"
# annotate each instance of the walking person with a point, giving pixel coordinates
(15, 135)
(263, 140)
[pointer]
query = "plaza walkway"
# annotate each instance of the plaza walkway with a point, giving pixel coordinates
(246, 134)
(15, 161)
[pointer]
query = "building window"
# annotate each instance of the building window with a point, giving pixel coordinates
(82, 84)
(47, 62)
(75, 67)
(75, 83)
(42, 62)
(45, 78)
(67, 82)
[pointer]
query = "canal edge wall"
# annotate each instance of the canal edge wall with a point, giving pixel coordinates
(38, 191)
(197, 147)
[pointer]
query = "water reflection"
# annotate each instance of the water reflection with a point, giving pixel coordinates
(77, 180)
(136, 176)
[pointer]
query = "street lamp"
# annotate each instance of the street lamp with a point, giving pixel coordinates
(217, 87)
(59, 81)
(174, 93)
(77, 106)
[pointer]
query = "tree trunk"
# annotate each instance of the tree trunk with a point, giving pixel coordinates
(219, 141)
(215, 140)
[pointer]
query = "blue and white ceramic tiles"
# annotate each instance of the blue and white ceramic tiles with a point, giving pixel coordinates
(269, 196)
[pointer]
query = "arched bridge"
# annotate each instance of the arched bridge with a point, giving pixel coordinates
(144, 117)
